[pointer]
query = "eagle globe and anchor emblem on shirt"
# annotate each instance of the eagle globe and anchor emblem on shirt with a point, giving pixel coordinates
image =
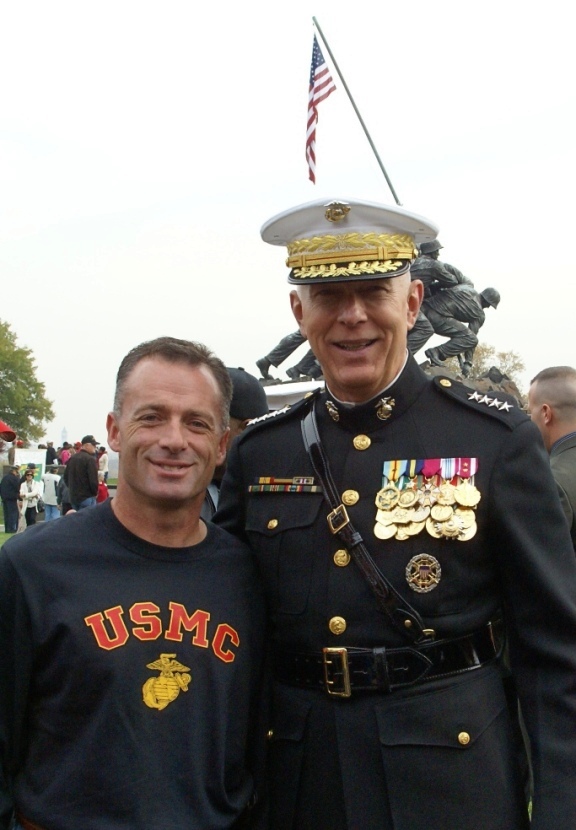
(159, 691)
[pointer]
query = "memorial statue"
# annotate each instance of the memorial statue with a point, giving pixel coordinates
(458, 314)
(308, 366)
(436, 276)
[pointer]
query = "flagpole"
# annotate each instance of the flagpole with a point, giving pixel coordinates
(356, 110)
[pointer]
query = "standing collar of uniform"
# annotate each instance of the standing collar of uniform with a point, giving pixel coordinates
(384, 408)
(567, 437)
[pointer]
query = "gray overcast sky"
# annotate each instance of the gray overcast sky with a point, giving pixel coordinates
(143, 144)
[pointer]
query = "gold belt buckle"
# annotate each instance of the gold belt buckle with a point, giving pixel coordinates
(338, 519)
(342, 655)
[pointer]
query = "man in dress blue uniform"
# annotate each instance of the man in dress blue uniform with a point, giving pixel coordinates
(388, 702)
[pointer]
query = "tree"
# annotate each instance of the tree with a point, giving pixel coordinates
(485, 356)
(23, 403)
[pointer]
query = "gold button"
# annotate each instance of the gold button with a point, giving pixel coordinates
(270, 734)
(362, 442)
(273, 523)
(337, 625)
(444, 382)
(342, 558)
(350, 497)
(463, 738)
(407, 623)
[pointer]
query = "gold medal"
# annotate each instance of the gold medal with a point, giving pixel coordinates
(384, 531)
(420, 514)
(407, 498)
(402, 534)
(467, 495)
(446, 493)
(401, 516)
(384, 517)
(387, 497)
(441, 512)
(450, 529)
(414, 528)
(432, 528)
(466, 516)
(423, 573)
(467, 533)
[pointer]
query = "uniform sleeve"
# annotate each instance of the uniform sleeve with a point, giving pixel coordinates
(538, 573)
(16, 651)
(231, 512)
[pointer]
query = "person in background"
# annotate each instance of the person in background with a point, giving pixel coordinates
(248, 402)
(102, 493)
(81, 475)
(50, 480)
(65, 454)
(103, 462)
(30, 492)
(51, 456)
(552, 407)
(10, 494)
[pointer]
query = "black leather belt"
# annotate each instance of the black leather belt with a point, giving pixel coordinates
(341, 671)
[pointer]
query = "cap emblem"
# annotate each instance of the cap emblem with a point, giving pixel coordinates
(336, 211)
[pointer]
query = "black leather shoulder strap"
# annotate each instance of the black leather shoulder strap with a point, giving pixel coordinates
(403, 617)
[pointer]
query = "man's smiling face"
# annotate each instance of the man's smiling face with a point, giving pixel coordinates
(168, 433)
(357, 330)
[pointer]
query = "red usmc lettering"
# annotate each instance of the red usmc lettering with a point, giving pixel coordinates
(111, 631)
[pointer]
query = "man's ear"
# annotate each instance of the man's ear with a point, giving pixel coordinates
(547, 413)
(415, 297)
(113, 431)
(298, 311)
(222, 447)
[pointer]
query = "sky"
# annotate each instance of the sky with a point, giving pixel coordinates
(144, 144)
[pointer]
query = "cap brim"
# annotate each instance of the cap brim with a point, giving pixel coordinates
(348, 272)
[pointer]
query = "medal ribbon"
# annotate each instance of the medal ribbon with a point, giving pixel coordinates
(466, 467)
(448, 468)
(431, 467)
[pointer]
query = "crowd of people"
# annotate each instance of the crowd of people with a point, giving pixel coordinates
(25, 495)
(375, 629)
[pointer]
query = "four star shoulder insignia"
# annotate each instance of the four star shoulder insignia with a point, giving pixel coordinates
(503, 406)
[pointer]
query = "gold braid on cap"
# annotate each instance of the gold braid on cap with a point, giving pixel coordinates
(369, 253)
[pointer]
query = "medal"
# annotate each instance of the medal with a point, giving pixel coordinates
(414, 528)
(441, 512)
(466, 494)
(432, 528)
(467, 533)
(387, 497)
(407, 498)
(423, 573)
(402, 534)
(384, 531)
(466, 516)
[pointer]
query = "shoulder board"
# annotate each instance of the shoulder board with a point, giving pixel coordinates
(288, 411)
(496, 404)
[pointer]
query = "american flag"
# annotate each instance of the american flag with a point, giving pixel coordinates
(321, 85)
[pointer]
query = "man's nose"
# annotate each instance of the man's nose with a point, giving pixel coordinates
(352, 310)
(174, 435)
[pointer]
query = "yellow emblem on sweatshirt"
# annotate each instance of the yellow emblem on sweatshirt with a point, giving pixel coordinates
(159, 691)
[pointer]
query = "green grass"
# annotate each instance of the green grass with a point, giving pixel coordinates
(4, 536)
